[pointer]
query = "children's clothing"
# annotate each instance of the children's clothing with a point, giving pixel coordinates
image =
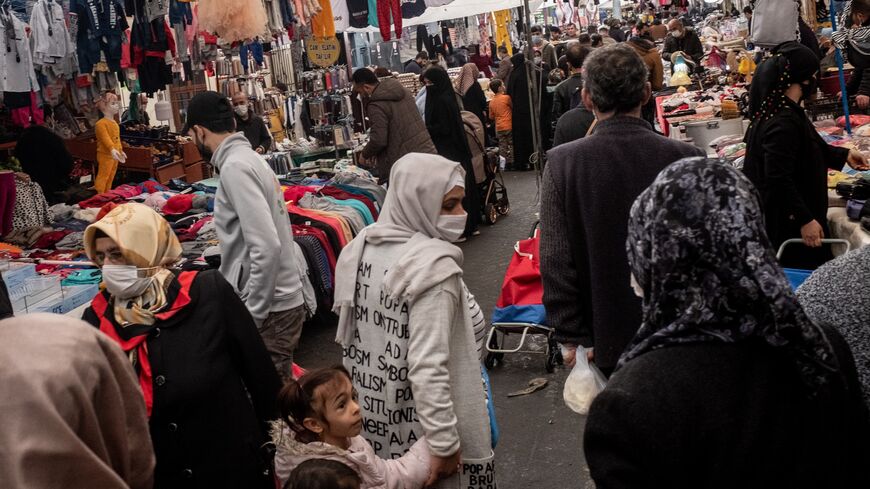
(407, 472)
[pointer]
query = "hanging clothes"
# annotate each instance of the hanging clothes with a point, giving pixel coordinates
(358, 10)
(501, 20)
(234, 20)
(101, 24)
(323, 24)
(53, 50)
(16, 62)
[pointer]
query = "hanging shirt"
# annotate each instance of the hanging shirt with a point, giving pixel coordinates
(359, 13)
(16, 62)
(340, 15)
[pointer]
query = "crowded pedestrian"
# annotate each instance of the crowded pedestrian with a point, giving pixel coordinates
(582, 245)
(685, 40)
(658, 31)
(250, 124)
(417, 64)
(473, 99)
(786, 158)
(500, 112)
(203, 370)
(505, 66)
(727, 382)
(73, 414)
(648, 51)
(575, 55)
(444, 122)
(395, 127)
(518, 90)
(546, 49)
(258, 257)
(405, 268)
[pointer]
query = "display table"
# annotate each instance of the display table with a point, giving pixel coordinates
(843, 228)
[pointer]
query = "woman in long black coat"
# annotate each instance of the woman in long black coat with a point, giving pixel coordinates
(444, 122)
(727, 382)
(208, 383)
(518, 89)
(786, 158)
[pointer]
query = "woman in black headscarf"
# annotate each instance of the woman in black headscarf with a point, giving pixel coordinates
(786, 158)
(727, 383)
(444, 122)
(44, 157)
(518, 89)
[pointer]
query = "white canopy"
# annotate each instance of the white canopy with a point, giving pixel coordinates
(455, 10)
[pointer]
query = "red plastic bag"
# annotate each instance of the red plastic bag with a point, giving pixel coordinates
(857, 120)
(522, 282)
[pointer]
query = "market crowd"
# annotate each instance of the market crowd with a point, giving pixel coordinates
(658, 265)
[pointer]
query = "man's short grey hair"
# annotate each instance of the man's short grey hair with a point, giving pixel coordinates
(615, 78)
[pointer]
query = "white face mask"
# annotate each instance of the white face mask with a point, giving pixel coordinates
(124, 282)
(242, 110)
(634, 285)
(451, 227)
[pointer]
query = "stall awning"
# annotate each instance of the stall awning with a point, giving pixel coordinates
(456, 10)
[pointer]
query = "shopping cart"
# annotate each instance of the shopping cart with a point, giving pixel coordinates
(520, 308)
(797, 276)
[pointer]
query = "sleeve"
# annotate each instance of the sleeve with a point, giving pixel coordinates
(615, 442)
(835, 157)
(249, 352)
(668, 49)
(245, 190)
(856, 82)
(103, 137)
(558, 134)
(265, 136)
(558, 105)
(780, 164)
(696, 50)
(657, 74)
(409, 471)
(559, 273)
(379, 122)
(430, 327)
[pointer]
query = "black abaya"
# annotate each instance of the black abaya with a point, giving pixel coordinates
(521, 112)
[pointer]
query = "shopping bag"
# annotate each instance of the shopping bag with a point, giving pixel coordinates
(477, 473)
(522, 292)
(775, 22)
(583, 383)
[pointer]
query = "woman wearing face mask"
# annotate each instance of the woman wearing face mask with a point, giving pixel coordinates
(727, 382)
(252, 125)
(208, 383)
(405, 322)
(109, 149)
(786, 158)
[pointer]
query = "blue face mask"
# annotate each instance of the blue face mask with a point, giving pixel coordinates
(536, 39)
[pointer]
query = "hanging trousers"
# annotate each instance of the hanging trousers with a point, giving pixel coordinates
(385, 8)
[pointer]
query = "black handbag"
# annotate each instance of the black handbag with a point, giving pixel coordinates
(854, 189)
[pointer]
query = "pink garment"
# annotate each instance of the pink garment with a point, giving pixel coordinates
(126, 191)
(27, 116)
(157, 200)
(408, 472)
(300, 15)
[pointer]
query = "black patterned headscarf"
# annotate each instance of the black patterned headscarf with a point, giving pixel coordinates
(698, 249)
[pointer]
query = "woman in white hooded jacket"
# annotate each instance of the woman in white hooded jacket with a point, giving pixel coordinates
(406, 330)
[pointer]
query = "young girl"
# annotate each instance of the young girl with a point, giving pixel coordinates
(320, 419)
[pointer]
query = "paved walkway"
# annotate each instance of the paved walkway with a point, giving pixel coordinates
(541, 439)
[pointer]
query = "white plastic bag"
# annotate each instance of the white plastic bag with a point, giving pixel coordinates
(583, 383)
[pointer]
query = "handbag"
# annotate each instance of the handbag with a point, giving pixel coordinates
(773, 23)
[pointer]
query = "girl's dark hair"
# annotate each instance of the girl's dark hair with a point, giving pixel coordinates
(318, 473)
(296, 400)
(861, 7)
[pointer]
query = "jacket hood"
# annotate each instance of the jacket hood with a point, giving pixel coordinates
(235, 142)
(643, 45)
(389, 90)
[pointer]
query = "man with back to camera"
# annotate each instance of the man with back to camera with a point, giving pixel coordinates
(588, 188)
(576, 55)
(258, 256)
(251, 124)
(396, 127)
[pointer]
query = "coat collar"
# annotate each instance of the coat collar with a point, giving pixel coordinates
(621, 123)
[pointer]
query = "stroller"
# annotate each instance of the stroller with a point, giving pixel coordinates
(520, 308)
(796, 276)
(492, 189)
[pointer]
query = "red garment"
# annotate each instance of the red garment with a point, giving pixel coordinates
(340, 194)
(125, 53)
(27, 116)
(151, 186)
(385, 7)
(178, 204)
(483, 63)
(48, 240)
(126, 190)
(105, 210)
(303, 230)
(295, 192)
(100, 200)
(330, 221)
(100, 305)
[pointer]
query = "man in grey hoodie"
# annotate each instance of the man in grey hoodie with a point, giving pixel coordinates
(257, 250)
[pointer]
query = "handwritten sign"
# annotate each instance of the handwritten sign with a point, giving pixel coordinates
(323, 52)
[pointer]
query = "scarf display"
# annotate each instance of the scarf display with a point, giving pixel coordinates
(146, 241)
(847, 32)
(467, 77)
(698, 249)
(792, 63)
(418, 183)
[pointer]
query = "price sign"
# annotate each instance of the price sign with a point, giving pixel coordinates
(323, 52)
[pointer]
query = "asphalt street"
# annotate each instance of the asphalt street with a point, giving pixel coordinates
(541, 439)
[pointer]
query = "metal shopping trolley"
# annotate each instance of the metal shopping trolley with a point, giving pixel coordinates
(520, 308)
(797, 276)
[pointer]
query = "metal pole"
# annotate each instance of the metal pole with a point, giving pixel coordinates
(839, 56)
(534, 99)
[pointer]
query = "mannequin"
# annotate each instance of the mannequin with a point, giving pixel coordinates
(109, 149)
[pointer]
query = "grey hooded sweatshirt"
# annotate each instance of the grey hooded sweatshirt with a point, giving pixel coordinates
(257, 253)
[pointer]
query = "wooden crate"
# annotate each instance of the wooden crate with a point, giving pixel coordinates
(197, 171)
(139, 159)
(165, 173)
(190, 154)
(83, 149)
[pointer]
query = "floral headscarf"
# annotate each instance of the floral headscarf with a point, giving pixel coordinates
(467, 77)
(698, 249)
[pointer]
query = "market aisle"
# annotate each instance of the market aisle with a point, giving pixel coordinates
(541, 444)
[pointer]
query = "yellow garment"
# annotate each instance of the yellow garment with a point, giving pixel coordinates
(501, 19)
(147, 242)
(108, 138)
(322, 24)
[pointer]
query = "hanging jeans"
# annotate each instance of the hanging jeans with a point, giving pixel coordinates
(385, 8)
(7, 201)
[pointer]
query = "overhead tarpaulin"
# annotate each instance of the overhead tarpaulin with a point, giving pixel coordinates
(458, 9)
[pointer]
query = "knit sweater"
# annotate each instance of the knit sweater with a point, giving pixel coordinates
(589, 186)
(835, 295)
